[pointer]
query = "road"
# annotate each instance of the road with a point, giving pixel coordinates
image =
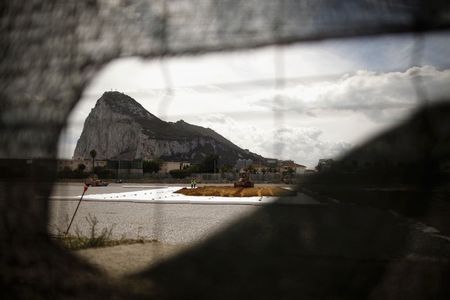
(176, 224)
(305, 242)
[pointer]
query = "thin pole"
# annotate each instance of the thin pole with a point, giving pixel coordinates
(79, 202)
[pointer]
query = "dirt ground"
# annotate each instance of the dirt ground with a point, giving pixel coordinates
(127, 259)
(228, 191)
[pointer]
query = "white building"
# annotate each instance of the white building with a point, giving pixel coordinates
(73, 164)
(289, 164)
(168, 166)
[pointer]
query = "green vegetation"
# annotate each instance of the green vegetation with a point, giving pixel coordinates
(79, 173)
(104, 173)
(251, 169)
(95, 239)
(180, 174)
(289, 172)
(73, 174)
(208, 165)
(93, 154)
(81, 167)
(151, 166)
(226, 168)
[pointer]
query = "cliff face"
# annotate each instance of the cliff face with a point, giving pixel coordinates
(118, 127)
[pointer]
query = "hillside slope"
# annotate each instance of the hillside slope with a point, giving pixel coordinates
(118, 127)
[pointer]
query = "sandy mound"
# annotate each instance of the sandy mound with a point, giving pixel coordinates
(225, 191)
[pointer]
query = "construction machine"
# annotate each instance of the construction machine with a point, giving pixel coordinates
(244, 180)
(94, 181)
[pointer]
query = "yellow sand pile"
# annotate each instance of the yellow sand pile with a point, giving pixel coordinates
(228, 191)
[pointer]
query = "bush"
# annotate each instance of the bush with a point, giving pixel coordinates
(104, 173)
(72, 174)
(180, 174)
(151, 166)
(209, 164)
(94, 239)
(79, 241)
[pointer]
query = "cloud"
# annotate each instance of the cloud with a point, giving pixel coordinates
(214, 118)
(304, 145)
(325, 116)
(379, 96)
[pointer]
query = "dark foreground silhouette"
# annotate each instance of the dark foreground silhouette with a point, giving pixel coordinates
(360, 248)
(354, 248)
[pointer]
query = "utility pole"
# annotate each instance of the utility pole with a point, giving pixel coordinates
(118, 170)
(76, 209)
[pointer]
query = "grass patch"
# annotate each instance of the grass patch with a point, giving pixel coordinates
(95, 238)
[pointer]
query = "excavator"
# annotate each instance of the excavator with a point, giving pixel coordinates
(93, 180)
(244, 180)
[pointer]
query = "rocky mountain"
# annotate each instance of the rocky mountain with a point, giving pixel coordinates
(118, 127)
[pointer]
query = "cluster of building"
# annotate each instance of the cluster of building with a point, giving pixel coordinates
(135, 167)
(270, 166)
(119, 167)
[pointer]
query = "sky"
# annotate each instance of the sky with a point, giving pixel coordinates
(302, 102)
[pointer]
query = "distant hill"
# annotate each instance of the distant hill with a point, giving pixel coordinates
(118, 127)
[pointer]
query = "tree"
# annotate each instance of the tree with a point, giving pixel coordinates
(93, 154)
(179, 174)
(151, 166)
(209, 164)
(104, 173)
(290, 171)
(81, 167)
(226, 168)
(251, 169)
